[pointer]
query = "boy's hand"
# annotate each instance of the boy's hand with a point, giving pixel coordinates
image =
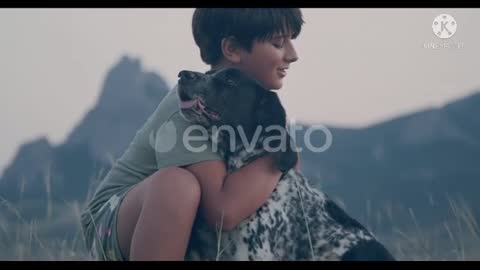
(238, 194)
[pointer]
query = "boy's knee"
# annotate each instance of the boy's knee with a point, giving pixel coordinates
(177, 180)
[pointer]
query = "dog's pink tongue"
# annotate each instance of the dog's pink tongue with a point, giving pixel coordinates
(187, 104)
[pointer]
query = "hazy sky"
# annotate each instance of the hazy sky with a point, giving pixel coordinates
(357, 66)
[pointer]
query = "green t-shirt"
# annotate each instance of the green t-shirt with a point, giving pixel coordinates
(158, 144)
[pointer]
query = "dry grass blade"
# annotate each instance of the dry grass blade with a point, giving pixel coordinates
(95, 235)
(48, 187)
(219, 237)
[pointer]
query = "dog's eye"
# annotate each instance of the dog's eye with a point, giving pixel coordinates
(231, 82)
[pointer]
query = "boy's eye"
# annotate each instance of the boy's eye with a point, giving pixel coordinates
(278, 42)
(278, 46)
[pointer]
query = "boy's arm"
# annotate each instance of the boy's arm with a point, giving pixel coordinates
(239, 194)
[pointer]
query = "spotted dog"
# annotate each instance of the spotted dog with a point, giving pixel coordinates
(298, 222)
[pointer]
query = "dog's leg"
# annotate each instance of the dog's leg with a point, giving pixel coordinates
(368, 250)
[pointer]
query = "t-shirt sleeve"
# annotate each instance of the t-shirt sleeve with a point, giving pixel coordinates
(178, 142)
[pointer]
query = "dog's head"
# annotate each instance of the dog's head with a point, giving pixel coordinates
(229, 97)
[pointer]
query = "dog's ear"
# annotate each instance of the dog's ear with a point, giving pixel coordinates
(270, 112)
(288, 159)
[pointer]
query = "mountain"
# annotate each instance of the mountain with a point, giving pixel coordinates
(41, 171)
(422, 161)
(419, 161)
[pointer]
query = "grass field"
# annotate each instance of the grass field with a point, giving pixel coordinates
(57, 236)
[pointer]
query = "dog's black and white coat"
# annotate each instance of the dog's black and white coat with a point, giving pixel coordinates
(298, 222)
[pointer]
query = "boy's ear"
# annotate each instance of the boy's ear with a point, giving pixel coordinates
(231, 50)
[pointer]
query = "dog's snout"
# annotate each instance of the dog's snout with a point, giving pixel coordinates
(183, 95)
(187, 75)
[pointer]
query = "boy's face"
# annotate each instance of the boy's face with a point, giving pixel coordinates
(268, 61)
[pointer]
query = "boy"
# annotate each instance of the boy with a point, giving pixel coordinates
(145, 207)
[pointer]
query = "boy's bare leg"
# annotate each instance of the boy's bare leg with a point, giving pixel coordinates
(156, 217)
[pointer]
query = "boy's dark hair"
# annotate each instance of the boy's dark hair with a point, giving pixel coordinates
(211, 25)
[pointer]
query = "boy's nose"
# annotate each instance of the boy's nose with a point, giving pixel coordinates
(291, 55)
